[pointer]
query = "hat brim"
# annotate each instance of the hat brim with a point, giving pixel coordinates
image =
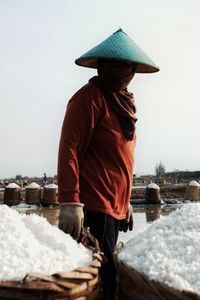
(92, 62)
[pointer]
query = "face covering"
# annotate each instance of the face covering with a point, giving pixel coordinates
(116, 75)
(113, 79)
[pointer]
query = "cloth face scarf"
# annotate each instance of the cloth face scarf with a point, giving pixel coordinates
(113, 79)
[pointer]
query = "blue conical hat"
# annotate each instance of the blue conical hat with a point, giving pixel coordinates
(118, 46)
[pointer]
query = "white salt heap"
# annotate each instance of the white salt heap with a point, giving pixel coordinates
(12, 186)
(33, 185)
(153, 186)
(28, 243)
(194, 183)
(169, 249)
(51, 186)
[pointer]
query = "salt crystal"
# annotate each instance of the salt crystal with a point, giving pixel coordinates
(51, 186)
(194, 183)
(28, 243)
(12, 186)
(33, 185)
(153, 186)
(168, 250)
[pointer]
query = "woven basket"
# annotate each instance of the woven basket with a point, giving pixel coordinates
(192, 193)
(49, 197)
(33, 196)
(12, 196)
(152, 195)
(80, 284)
(137, 286)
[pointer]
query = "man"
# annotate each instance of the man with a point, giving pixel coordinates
(96, 153)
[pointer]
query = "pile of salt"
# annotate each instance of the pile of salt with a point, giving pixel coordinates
(51, 186)
(153, 186)
(28, 243)
(168, 250)
(194, 183)
(33, 185)
(12, 185)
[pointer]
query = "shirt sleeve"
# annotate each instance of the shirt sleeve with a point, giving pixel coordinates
(82, 114)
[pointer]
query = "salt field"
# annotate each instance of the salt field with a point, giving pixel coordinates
(143, 216)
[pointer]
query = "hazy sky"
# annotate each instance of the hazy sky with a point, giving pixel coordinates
(39, 41)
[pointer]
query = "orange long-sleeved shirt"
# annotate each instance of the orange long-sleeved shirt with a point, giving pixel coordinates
(95, 163)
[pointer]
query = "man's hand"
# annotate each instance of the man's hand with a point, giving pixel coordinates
(71, 218)
(128, 222)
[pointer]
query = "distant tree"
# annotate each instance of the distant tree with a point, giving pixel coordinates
(18, 177)
(160, 169)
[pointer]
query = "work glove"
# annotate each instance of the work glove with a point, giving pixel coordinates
(128, 222)
(71, 218)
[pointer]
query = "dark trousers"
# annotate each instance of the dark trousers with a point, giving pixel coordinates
(105, 229)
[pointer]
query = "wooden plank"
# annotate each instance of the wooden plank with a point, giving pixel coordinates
(33, 276)
(74, 275)
(93, 282)
(77, 291)
(31, 285)
(96, 263)
(66, 283)
(91, 270)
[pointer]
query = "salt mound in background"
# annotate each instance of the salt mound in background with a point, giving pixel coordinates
(28, 243)
(168, 250)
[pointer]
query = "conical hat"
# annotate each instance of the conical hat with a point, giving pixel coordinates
(118, 46)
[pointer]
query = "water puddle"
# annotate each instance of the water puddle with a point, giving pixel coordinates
(143, 216)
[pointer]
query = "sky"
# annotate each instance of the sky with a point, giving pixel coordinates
(39, 41)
